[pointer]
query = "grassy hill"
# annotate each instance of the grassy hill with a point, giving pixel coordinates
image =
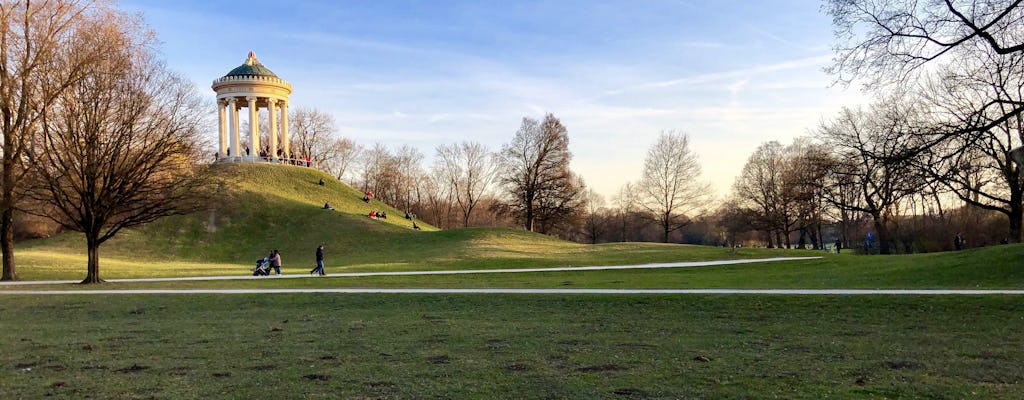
(263, 207)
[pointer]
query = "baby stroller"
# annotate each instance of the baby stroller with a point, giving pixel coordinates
(262, 267)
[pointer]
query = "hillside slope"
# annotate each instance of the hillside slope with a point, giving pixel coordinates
(262, 207)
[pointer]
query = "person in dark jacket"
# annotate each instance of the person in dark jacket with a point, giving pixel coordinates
(319, 261)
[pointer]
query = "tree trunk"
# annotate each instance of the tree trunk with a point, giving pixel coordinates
(883, 235)
(1016, 215)
(7, 217)
(7, 245)
(94, 259)
(528, 224)
(665, 223)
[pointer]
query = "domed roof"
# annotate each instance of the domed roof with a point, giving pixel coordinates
(251, 67)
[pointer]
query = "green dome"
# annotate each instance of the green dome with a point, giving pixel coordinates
(251, 67)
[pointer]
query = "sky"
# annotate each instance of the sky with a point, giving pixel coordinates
(730, 74)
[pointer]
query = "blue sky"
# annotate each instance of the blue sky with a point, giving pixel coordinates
(732, 74)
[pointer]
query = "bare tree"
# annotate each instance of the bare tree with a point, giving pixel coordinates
(803, 187)
(762, 183)
(312, 135)
(627, 209)
(536, 175)
(120, 149)
(977, 168)
(45, 47)
(346, 151)
(468, 170)
(886, 41)
(438, 200)
(595, 224)
(864, 145)
(407, 169)
(671, 182)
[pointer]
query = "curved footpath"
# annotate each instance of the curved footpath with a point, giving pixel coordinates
(498, 291)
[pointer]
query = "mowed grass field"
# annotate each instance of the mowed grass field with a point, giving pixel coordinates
(511, 346)
(379, 346)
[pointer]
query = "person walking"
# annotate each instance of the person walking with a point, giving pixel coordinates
(319, 261)
(275, 261)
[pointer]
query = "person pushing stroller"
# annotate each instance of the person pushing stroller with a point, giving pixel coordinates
(275, 262)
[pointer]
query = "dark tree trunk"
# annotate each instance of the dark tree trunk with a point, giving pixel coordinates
(93, 245)
(7, 217)
(884, 247)
(665, 223)
(1016, 215)
(7, 245)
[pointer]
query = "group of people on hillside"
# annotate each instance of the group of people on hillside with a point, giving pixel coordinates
(378, 215)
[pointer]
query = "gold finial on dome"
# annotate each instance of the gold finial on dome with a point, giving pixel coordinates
(252, 59)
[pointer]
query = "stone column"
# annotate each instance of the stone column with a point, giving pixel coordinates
(254, 131)
(273, 128)
(222, 123)
(284, 130)
(235, 145)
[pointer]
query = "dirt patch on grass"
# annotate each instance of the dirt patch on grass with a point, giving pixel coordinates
(439, 359)
(517, 367)
(988, 355)
(24, 365)
(317, 377)
(573, 342)
(602, 368)
(637, 345)
(117, 338)
(221, 374)
(180, 371)
(628, 392)
(903, 365)
(133, 368)
(269, 367)
(328, 357)
(497, 344)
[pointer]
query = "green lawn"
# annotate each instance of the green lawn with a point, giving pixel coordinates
(522, 347)
(986, 268)
(109, 346)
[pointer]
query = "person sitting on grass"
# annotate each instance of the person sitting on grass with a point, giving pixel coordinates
(327, 206)
(414, 226)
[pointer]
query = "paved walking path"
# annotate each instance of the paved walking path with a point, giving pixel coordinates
(449, 272)
(781, 292)
(495, 291)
